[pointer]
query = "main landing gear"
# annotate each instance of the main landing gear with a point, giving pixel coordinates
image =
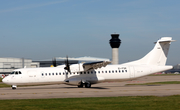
(14, 86)
(87, 85)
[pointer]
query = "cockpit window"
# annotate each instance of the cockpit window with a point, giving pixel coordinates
(16, 72)
(13, 72)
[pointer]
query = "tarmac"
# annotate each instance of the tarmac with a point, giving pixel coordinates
(107, 89)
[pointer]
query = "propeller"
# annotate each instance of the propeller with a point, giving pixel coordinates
(54, 62)
(67, 65)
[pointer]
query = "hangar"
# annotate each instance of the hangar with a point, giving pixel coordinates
(61, 60)
(7, 65)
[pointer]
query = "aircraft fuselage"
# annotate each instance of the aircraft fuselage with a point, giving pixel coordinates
(57, 75)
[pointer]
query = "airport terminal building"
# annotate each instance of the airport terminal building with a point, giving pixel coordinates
(7, 65)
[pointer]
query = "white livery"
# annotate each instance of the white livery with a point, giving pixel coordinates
(85, 74)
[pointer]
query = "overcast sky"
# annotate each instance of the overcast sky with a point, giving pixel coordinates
(42, 29)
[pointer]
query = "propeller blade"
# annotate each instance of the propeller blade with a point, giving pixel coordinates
(54, 62)
(67, 65)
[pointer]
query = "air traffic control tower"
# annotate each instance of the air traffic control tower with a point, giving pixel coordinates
(115, 43)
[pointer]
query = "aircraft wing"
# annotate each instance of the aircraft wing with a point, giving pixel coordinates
(95, 65)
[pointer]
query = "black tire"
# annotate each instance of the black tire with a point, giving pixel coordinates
(13, 87)
(81, 85)
(88, 85)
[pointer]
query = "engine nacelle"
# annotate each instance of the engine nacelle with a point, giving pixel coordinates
(77, 67)
(73, 81)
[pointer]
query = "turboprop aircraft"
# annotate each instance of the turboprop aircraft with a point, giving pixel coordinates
(86, 74)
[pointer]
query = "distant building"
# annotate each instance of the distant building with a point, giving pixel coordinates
(61, 60)
(49, 63)
(176, 69)
(7, 65)
(176, 66)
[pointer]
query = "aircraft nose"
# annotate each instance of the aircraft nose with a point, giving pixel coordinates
(5, 80)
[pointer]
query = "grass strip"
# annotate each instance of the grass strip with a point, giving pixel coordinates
(158, 83)
(103, 103)
(4, 85)
(163, 74)
(153, 83)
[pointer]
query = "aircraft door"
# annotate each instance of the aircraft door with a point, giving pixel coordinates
(132, 72)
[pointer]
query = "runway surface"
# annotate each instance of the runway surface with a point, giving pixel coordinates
(108, 89)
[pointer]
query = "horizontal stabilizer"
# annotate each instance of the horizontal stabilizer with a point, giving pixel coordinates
(165, 39)
(158, 55)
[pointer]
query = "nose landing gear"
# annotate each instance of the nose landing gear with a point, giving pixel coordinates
(14, 86)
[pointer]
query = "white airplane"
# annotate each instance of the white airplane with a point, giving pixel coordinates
(85, 74)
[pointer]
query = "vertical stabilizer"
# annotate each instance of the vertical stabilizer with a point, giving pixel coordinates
(158, 55)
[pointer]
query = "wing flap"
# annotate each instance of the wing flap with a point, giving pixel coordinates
(95, 65)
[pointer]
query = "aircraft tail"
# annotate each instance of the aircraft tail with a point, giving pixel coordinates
(158, 55)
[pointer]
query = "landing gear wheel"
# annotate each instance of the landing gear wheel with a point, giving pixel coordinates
(14, 86)
(88, 85)
(81, 85)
